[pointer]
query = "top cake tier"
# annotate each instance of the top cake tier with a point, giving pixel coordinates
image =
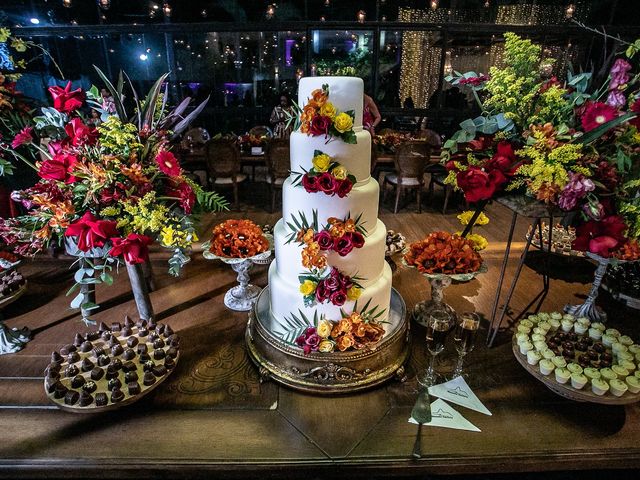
(345, 93)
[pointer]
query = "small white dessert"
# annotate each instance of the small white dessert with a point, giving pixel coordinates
(584, 321)
(554, 323)
(618, 347)
(537, 337)
(540, 345)
(592, 373)
(546, 366)
(599, 386)
(637, 374)
(595, 333)
(620, 371)
(633, 383)
(580, 329)
(527, 323)
(562, 375)
(608, 340)
(599, 325)
(525, 347)
(544, 316)
(612, 331)
(548, 354)
(628, 365)
(524, 329)
(618, 387)
(574, 368)
(626, 340)
(626, 356)
(555, 315)
(533, 357)
(533, 318)
(578, 381)
(608, 374)
(635, 349)
(567, 325)
(559, 361)
(522, 338)
(544, 325)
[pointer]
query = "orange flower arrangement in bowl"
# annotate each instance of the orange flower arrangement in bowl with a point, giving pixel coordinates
(443, 253)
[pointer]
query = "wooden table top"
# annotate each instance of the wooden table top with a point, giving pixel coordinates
(213, 416)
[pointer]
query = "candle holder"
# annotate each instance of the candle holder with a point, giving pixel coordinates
(241, 297)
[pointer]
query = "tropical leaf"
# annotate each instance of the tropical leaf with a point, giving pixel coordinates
(186, 121)
(136, 99)
(150, 102)
(296, 325)
(597, 132)
(120, 111)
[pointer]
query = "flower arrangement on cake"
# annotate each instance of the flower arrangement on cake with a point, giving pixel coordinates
(116, 187)
(443, 253)
(329, 285)
(238, 239)
(566, 144)
(326, 176)
(319, 117)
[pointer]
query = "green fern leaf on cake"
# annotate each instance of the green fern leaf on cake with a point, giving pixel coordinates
(296, 325)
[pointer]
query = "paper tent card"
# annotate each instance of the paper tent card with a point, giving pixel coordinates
(457, 391)
(443, 415)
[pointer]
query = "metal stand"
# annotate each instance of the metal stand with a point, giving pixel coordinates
(424, 309)
(242, 297)
(588, 308)
(88, 291)
(140, 291)
(531, 209)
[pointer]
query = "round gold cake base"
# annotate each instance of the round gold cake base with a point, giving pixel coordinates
(328, 373)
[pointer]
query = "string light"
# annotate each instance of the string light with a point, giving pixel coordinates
(327, 3)
(271, 11)
(104, 4)
(434, 4)
(166, 8)
(486, 4)
(361, 16)
(67, 3)
(571, 9)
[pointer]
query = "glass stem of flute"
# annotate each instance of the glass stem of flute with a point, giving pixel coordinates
(457, 372)
(431, 374)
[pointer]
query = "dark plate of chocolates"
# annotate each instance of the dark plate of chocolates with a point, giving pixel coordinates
(111, 367)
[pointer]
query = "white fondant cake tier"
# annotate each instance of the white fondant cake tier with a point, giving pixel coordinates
(286, 299)
(345, 93)
(355, 158)
(366, 262)
(362, 199)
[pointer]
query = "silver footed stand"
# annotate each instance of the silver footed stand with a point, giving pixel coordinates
(588, 308)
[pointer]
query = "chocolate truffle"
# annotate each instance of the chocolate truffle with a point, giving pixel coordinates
(101, 399)
(159, 370)
(149, 379)
(132, 342)
(158, 343)
(56, 357)
(67, 349)
(143, 332)
(112, 372)
(134, 388)
(129, 354)
(86, 365)
(130, 377)
(113, 342)
(141, 323)
(144, 357)
(116, 327)
(117, 363)
(159, 354)
(142, 348)
(598, 347)
(174, 341)
(90, 386)
(103, 327)
(172, 352)
(128, 322)
(52, 368)
(106, 336)
(97, 351)
(73, 357)
(153, 336)
(152, 324)
(148, 365)
(77, 381)
(86, 347)
(168, 331)
(50, 384)
(117, 395)
(129, 367)
(169, 363)
(71, 371)
(114, 383)
(103, 360)
(116, 350)
(71, 397)
(97, 373)
(60, 390)
(85, 399)
(93, 336)
(78, 339)
(126, 332)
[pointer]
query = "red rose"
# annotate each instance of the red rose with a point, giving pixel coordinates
(65, 100)
(332, 283)
(324, 240)
(338, 298)
(357, 238)
(327, 183)
(134, 248)
(596, 114)
(58, 168)
(91, 232)
(22, 137)
(476, 184)
(310, 183)
(343, 245)
(185, 193)
(503, 159)
(319, 125)
(168, 163)
(344, 187)
(322, 292)
(80, 134)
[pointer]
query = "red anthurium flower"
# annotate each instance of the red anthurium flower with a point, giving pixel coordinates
(65, 100)
(134, 248)
(600, 237)
(80, 134)
(22, 138)
(58, 168)
(91, 232)
(168, 163)
(596, 114)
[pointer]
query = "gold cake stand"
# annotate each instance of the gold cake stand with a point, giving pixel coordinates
(328, 373)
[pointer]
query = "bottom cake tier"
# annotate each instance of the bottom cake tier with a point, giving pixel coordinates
(287, 303)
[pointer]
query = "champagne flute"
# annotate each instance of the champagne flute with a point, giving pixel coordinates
(439, 324)
(464, 338)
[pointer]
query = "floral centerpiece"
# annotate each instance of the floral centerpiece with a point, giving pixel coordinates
(566, 144)
(248, 141)
(116, 188)
(388, 142)
(441, 252)
(238, 239)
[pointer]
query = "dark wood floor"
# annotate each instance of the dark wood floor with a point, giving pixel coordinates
(214, 417)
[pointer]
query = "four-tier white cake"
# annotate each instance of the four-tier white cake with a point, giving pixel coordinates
(329, 186)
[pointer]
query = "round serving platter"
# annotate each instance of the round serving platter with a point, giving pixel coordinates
(9, 299)
(328, 373)
(566, 390)
(170, 340)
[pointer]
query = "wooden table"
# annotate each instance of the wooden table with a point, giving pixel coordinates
(213, 416)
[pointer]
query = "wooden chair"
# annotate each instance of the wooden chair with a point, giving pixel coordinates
(278, 162)
(223, 165)
(261, 131)
(410, 161)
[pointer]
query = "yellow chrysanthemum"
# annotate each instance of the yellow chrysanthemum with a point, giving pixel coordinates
(479, 242)
(465, 218)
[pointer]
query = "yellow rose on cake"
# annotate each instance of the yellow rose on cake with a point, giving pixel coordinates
(321, 162)
(307, 287)
(340, 172)
(328, 110)
(354, 293)
(343, 122)
(326, 346)
(324, 328)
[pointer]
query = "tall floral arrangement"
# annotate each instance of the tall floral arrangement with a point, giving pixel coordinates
(567, 144)
(114, 189)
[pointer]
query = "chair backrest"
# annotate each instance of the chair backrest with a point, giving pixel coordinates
(430, 136)
(279, 158)
(411, 158)
(261, 131)
(223, 158)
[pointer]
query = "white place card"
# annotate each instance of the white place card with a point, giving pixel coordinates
(443, 415)
(457, 391)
